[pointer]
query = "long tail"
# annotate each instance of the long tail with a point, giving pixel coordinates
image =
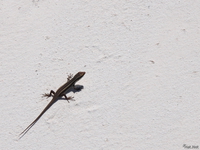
(31, 125)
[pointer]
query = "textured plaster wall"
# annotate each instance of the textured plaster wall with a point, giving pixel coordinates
(142, 64)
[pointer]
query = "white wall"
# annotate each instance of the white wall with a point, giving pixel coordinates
(141, 88)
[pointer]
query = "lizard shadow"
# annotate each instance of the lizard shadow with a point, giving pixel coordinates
(77, 88)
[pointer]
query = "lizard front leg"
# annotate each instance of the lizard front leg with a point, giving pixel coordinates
(69, 77)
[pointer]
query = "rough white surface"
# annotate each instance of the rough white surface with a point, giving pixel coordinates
(141, 88)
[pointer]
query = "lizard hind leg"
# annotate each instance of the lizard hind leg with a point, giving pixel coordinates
(52, 93)
(68, 98)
